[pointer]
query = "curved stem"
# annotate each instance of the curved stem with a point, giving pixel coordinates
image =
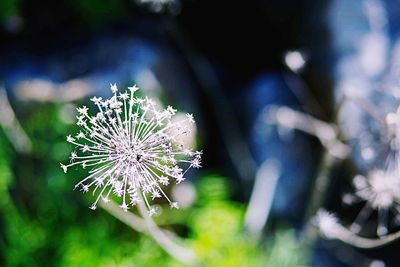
(130, 219)
(167, 240)
(318, 195)
(327, 133)
(11, 126)
(180, 253)
(345, 235)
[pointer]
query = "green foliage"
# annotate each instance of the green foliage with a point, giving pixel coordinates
(8, 8)
(43, 222)
(95, 12)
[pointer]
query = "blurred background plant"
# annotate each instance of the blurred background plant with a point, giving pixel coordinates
(296, 104)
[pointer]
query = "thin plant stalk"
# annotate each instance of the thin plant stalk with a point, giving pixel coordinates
(318, 194)
(167, 240)
(11, 126)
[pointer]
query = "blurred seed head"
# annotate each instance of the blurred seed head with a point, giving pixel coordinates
(295, 60)
(327, 223)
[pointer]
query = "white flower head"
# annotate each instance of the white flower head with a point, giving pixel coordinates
(327, 223)
(131, 148)
(380, 190)
(114, 88)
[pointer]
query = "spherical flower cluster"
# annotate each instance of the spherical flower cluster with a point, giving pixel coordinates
(131, 148)
(380, 191)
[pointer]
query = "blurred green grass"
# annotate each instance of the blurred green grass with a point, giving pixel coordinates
(43, 222)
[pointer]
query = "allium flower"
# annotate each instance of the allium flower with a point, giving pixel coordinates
(380, 191)
(131, 148)
(380, 188)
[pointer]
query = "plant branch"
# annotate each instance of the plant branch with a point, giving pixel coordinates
(11, 126)
(165, 239)
(345, 235)
(325, 132)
